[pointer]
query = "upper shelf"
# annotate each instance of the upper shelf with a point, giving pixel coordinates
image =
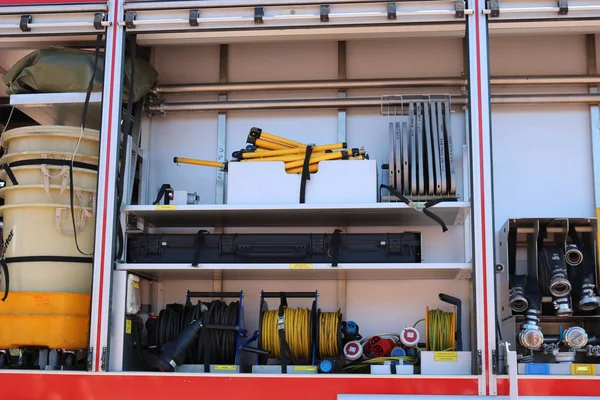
(179, 22)
(371, 214)
(59, 108)
(54, 23)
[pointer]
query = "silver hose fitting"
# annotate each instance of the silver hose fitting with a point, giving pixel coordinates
(531, 336)
(559, 285)
(588, 301)
(563, 307)
(517, 301)
(575, 337)
(573, 256)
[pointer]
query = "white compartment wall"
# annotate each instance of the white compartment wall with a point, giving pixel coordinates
(542, 157)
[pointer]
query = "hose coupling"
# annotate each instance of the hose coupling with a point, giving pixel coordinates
(563, 307)
(575, 337)
(517, 300)
(531, 335)
(588, 301)
(573, 256)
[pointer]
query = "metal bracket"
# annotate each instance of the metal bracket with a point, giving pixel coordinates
(391, 10)
(324, 13)
(494, 8)
(103, 359)
(459, 9)
(90, 357)
(494, 362)
(99, 17)
(25, 21)
(563, 7)
(130, 19)
(193, 19)
(259, 13)
(479, 363)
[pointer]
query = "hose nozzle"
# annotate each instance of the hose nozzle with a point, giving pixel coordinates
(573, 256)
(563, 307)
(560, 285)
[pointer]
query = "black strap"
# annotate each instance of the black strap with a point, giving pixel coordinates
(427, 205)
(67, 259)
(575, 237)
(161, 193)
(305, 174)
(10, 174)
(542, 234)
(199, 242)
(6, 277)
(53, 161)
(204, 338)
(284, 346)
(512, 251)
(393, 368)
(336, 241)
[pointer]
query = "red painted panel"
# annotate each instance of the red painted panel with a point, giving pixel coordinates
(554, 386)
(45, 2)
(99, 386)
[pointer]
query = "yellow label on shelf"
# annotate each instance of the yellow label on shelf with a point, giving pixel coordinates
(305, 368)
(583, 369)
(136, 285)
(128, 326)
(300, 266)
(445, 356)
(169, 207)
(225, 368)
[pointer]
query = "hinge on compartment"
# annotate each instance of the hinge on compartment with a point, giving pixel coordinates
(90, 358)
(459, 9)
(479, 363)
(130, 19)
(259, 13)
(99, 17)
(391, 10)
(193, 19)
(24, 23)
(324, 13)
(103, 359)
(494, 8)
(563, 7)
(494, 362)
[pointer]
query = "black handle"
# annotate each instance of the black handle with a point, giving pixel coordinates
(295, 295)
(257, 254)
(456, 302)
(213, 294)
(254, 350)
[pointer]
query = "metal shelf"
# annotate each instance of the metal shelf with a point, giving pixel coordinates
(164, 22)
(372, 214)
(59, 108)
(303, 271)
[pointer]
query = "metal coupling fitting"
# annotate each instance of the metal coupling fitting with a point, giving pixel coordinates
(531, 335)
(575, 337)
(573, 256)
(563, 307)
(559, 285)
(517, 300)
(588, 301)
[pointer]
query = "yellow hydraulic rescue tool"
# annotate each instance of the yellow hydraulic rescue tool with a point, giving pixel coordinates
(263, 146)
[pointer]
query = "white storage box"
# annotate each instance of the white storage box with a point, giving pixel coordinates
(337, 181)
(446, 363)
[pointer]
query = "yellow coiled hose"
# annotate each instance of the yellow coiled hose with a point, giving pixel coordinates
(298, 333)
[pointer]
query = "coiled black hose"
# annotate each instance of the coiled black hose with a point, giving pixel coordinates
(221, 342)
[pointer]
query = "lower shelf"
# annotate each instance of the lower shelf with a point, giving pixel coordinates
(46, 385)
(303, 271)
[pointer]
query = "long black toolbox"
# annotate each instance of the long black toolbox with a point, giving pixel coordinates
(334, 248)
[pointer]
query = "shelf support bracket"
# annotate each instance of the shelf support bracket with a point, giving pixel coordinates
(459, 9)
(391, 11)
(494, 6)
(99, 17)
(563, 7)
(259, 13)
(24, 23)
(130, 19)
(324, 13)
(193, 18)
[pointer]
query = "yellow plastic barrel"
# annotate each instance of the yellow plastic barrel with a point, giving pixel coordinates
(48, 304)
